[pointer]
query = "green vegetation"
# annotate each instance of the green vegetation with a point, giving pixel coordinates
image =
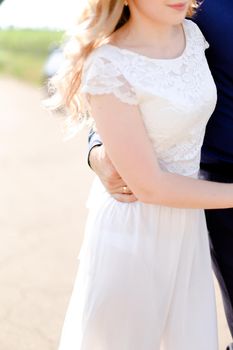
(23, 52)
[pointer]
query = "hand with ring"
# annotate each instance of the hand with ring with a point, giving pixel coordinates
(108, 175)
(126, 190)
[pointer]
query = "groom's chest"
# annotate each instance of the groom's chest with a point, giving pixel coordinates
(215, 19)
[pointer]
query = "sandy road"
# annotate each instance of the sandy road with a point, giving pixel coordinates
(43, 187)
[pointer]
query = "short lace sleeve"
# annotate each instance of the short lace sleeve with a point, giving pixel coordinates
(102, 76)
(206, 44)
(199, 35)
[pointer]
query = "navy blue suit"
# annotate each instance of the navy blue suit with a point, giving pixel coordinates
(215, 19)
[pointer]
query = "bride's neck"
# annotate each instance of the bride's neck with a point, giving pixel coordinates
(145, 33)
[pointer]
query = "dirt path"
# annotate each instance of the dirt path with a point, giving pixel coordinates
(44, 185)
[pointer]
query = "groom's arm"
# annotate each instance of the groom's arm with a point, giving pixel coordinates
(94, 140)
(100, 163)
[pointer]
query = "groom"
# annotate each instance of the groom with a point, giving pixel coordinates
(215, 19)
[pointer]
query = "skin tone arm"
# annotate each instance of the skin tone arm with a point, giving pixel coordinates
(135, 160)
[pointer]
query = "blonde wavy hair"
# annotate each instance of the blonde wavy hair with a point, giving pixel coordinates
(97, 20)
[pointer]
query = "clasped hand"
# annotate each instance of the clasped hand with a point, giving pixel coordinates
(112, 181)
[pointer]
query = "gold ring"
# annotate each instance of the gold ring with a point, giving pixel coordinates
(125, 189)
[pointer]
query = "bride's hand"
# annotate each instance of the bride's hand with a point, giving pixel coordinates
(103, 167)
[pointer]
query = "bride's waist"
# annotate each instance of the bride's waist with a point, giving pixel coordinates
(99, 195)
(181, 167)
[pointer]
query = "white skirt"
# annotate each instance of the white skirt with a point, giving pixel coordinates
(144, 280)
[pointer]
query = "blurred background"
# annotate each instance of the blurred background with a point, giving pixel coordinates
(44, 181)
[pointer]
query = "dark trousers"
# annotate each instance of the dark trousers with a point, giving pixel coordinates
(220, 226)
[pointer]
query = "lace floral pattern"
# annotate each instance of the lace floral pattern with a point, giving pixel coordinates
(104, 78)
(176, 96)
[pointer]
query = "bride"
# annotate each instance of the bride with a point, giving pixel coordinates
(136, 71)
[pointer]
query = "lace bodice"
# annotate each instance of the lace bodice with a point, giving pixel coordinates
(176, 97)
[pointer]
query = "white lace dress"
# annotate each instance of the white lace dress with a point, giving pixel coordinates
(144, 279)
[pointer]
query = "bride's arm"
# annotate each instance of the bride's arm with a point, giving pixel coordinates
(135, 160)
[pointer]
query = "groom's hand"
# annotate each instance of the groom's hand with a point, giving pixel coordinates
(103, 167)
